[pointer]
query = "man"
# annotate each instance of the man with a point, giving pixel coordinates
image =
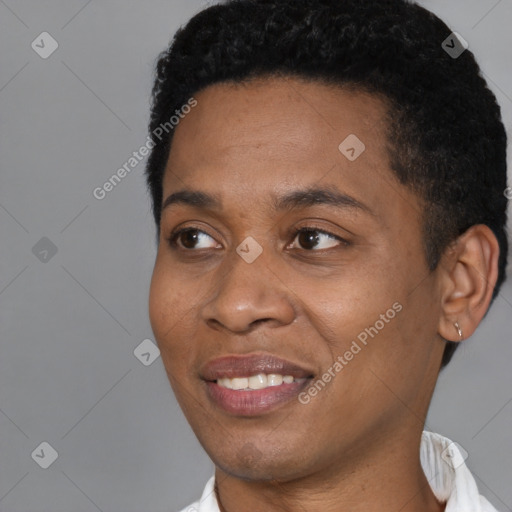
(328, 185)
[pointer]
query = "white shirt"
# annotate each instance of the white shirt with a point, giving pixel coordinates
(445, 469)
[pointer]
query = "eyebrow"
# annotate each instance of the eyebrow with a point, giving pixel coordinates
(319, 196)
(193, 198)
(297, 199)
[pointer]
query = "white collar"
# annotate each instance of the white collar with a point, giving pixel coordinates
(443, 463)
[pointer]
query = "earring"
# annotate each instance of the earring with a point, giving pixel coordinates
(459, 330)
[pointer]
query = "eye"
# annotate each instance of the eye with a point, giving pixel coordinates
(314, 239)
(192, 238)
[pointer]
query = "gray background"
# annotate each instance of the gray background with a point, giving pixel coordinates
(69, 325)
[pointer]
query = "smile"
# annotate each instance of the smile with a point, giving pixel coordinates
(260, 381)
(250, 385)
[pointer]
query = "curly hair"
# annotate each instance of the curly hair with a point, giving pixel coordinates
(446, 139)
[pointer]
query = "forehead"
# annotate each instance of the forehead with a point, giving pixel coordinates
(244, 139)
(286, 126)
(273, 115)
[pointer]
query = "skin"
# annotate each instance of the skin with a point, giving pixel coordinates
(355, 445)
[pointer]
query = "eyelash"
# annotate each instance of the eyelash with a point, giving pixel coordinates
(174, 236)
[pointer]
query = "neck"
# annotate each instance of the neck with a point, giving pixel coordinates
(384, 475)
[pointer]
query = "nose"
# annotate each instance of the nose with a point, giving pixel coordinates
(247, 294)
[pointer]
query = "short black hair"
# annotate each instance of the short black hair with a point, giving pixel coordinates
(446, 139)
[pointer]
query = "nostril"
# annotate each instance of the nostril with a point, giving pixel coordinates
(258, 321)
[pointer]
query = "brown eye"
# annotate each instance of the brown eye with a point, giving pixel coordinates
(189, 238)
(192, 238)
(308, 239)
(311, 239)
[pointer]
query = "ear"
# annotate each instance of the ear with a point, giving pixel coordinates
(469, 270)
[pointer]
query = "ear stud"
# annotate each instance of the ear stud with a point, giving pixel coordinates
(459, 330)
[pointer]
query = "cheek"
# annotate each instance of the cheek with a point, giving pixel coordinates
(168, 309)
(347, 305)
(364, 319)
(160, 312)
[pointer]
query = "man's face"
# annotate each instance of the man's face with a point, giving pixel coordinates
(341, 277)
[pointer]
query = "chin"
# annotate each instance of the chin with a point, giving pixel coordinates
(259, 464)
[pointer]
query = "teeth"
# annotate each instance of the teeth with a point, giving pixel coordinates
(260, 381)
(240, 383)
(275, 380)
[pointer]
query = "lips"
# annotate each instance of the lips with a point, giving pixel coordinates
(247, 365)
(252, 402)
